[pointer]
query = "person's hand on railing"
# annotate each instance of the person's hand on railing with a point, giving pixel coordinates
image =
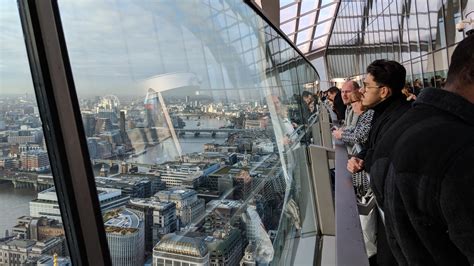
(286, 140)
(355, 165)
(337, 134)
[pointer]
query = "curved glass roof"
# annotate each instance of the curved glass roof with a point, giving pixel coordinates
(307, 22)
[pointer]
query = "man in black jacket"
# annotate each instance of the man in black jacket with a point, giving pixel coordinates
(382, 92)
(422, 172)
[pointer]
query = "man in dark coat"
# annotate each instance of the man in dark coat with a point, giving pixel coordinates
(382, 92)
(422, 172)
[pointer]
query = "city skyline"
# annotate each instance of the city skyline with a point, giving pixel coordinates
(241, 172)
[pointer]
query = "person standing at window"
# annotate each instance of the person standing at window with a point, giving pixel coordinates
(382, 92)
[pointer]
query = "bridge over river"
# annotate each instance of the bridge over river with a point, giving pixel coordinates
(212, 131)
(27, 180)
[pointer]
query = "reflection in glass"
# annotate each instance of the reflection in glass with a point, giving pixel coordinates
(437, 24)
(441, 68)
(453, 15)
(30, 221)
(207, 136)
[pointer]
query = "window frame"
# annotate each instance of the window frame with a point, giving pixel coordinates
(64, 133)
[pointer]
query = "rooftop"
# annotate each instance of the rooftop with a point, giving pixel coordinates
(121, 221)
(21, 243)
(182, 245)
(151, 202)
(176, 192)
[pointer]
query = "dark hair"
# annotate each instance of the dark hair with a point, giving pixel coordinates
(333, 89)
(461, 70)
(388, 73)
(306, 94)
(339, 106)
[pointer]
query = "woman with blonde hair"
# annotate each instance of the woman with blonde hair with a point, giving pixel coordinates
(356, 135)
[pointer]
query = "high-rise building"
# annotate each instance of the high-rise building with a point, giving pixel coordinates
(103, 124)
(243, 185)
(154, 113)
(225, 247)
(182, 250)
(122, 123)
(89, 122)
(126, 237)
(159, 218)
(222, 213)
(47, 202)
(188, 205)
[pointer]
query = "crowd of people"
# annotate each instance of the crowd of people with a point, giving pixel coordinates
(414, 147)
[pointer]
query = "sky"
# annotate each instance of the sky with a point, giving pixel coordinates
(114, 45)
(15, 74)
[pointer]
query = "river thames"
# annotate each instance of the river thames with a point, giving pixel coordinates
(15, 202)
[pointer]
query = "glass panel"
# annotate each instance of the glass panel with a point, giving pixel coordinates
(289, 12)
(453, 16)
(304, 36)
(423, 26)
(441, 68)
(307, 20)
(319, 43)
(308, 5)
(405, 38)
(327, 12)
(289, 27)
(326, 2)
(437, 24)
(194, 115)
(322, 29)
(450, 52)
(30, 221)
(413, 31)
(286, 2)
(428, 70)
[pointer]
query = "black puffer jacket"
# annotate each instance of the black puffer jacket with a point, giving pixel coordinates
(423, 178)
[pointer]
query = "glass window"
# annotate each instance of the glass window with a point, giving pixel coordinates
(307, 20)
(288, 12)
(405, 43)
(453, 15)
(428, 70)
(308, 5)
(441, 67)
(327, 12)
(289, 27)
(182, 111)
(27, 193)
(412, 20)
(424, 26)
(438, 34)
